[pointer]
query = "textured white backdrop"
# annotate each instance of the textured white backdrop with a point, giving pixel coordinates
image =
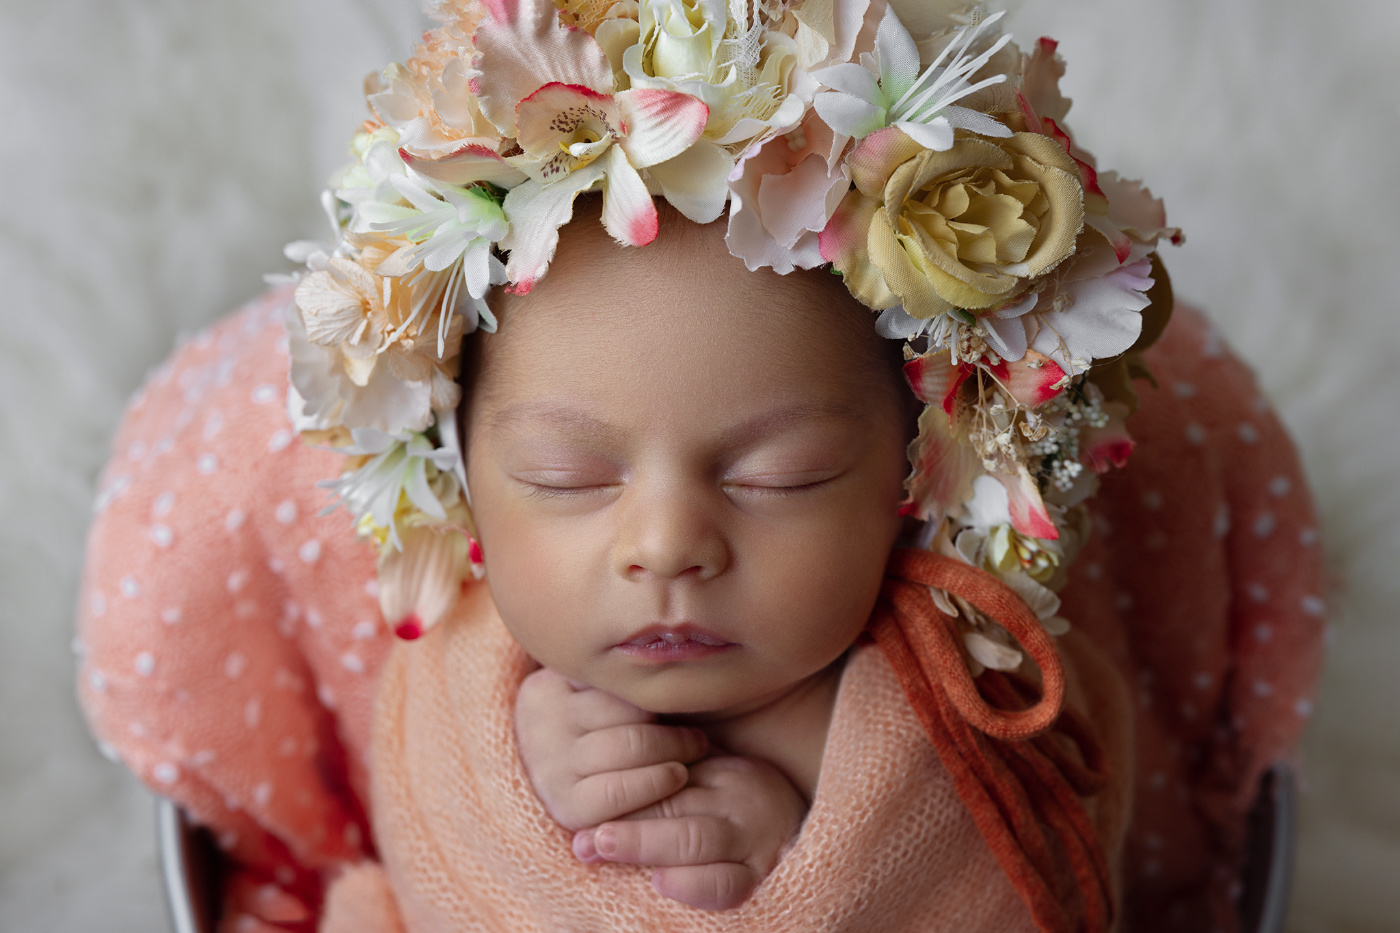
(155, 154)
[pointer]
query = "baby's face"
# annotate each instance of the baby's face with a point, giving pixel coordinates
(685, 476)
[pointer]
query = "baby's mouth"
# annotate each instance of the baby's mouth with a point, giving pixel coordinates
(685, 642)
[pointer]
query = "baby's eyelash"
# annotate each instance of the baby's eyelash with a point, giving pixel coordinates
(538, 491)
(782, 492)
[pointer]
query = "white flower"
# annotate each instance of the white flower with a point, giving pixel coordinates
(452, 230)
(404, 468)
(887, 89)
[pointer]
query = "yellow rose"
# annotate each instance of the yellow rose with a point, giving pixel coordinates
(965, 228)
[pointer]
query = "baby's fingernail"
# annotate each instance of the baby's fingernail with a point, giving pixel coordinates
(605, 841)
(584, 848)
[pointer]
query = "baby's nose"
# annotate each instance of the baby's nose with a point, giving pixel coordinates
(669, 534)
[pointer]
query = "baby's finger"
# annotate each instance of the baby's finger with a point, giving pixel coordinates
(607, 796)
(718, 886)
(686, 840)
(634, 745)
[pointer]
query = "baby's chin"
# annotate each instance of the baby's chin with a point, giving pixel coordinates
(699, 696)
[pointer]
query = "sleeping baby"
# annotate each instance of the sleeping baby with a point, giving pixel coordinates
(726, 407)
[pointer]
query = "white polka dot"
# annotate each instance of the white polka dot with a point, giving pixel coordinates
(252, 713)
(161, 535)
(1314, 606)
(284, 679)
(1184, 390)
(1203, 681)
(1248, 433)
(352, 662)
(1263, 688)
(171, 615)
(1257, 592)
(313, 618)
(275, 565)
(287, 747)
(237, 580)
(326, 695)
(1308, 537)
(310, 552)
(286, 875)
(227, 840)
(264, 394)
(1152, 500)
(1263, 632)
(286, 512)
(98, 681)
(213, 425)
(1221, 524)
(98, 604)
(364, 630)
(136, 451)
(1195, 434)
(279, 441)
(163, 446)
(1264, 524)
(1303, 708)
(129, 587)
(108, 751)
(77, 647)
(1123, 601)
(166, 773)
(207, 464)
(1280, 486)
(163, 504)
(372, 588)
(1094, 571)
(262, 793)
(137, 729)
(204, 757)
(234, 666)
(145, 663)
(234, 520)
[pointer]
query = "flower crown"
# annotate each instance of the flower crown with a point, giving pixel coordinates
(908, 145)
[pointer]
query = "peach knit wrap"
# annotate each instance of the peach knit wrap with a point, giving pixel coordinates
(888, 844)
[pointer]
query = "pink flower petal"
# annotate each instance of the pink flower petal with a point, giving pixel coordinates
(522, 47)
(469, 164)
(944, 467)
(659, 125)
(628, 212)
(1028, 514)
(1031, 380)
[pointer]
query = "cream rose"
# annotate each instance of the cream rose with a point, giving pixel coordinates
(966, 228)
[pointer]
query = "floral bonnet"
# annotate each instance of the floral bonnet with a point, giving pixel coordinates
(907, 145)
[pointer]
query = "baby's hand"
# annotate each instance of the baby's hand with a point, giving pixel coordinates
(593, 757)
(715, 840)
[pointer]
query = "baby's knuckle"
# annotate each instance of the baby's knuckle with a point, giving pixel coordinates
(690, 840)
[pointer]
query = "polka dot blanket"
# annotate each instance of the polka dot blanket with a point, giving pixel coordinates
(233, 641)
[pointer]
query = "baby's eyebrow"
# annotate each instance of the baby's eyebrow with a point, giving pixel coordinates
(744, 433)
(577, 421)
